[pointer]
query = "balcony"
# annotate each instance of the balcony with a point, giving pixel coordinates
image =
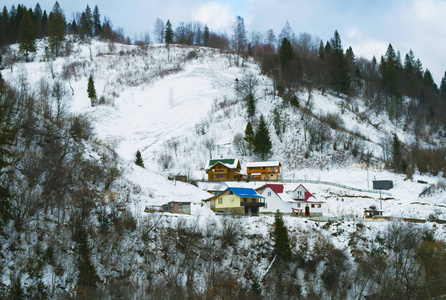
(252, 204)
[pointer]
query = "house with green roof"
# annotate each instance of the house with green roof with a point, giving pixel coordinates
(224, 169)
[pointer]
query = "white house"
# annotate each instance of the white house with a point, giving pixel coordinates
(306, 204)
(275, 199)
(288, 199)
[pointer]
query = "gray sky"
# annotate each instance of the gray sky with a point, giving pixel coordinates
(367, 26)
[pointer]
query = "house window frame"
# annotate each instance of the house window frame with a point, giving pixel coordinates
(220, 200)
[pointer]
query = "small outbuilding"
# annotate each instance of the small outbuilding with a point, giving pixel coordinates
(177, 207)
(382, 184)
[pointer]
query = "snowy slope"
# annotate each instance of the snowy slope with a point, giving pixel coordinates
(168, 105)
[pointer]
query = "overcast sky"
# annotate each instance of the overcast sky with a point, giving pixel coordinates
(367, 26)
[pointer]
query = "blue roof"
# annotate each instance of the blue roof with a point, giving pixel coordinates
(245, 192)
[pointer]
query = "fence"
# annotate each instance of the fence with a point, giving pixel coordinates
(334, 184)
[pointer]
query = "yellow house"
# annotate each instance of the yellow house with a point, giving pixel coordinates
(264, 170)
(237, 201)
(223, 169)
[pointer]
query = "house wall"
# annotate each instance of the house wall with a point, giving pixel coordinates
(299, 193)
(222, 172)
(274, 203)
(226, 202)
(267, 173)
(314, 211)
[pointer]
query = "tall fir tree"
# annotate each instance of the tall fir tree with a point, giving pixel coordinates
(251, 105)
(206, 36)
(91, 91)
(138, 160)
(286, 53)
(249, 136)
(97, 27)
(262, 142)
(56, 29)
(168, 32)
(27, 35)
(282, 246)
(338, 67)
(443, 87)
(38, 20)
(389, 68)
(396, 154)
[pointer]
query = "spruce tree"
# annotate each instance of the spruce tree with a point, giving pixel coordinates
(443, 87)
(396, 154)
(97, 27)
(168, 33)
(91, 91)
(285, 53)
(262, 142)
(56, 29)
(206, 36)
(251, 105)
(282, 246)
(338, 67)
(27, 35)
(138, 160)
(249, 136)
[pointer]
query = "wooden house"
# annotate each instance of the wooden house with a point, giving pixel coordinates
(264, 170)
(224, 169)
(237, 201)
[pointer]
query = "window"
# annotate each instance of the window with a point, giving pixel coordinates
(269, 193)
(298, 204)
(220, 200)
(312, 205)
(231, 193)
(245, 199)
(250, 168)
(266, 205)
(272, 175)
(263, 168)
(319, 206)
(253, 200)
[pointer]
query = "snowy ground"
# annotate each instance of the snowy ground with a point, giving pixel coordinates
(157, 100)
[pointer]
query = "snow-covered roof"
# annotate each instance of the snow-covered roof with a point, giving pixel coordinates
(230, 163)
(263, 164)
(212, 186)
(286, 197)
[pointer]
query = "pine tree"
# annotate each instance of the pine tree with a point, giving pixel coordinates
(206, 35)
(282, 246)
(91, 91)
(249, 136)
(97, 27)
(168, 33)
(443, 87)
(396, 153)
(285, 53)
(27, 35)
(56, 30)
(338, 67)
(389, 74)
(138, 160)
(251, 105)
(262, 142)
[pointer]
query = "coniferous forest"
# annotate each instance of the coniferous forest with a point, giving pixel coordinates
(67, 226)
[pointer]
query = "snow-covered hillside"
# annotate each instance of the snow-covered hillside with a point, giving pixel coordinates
(178, 106)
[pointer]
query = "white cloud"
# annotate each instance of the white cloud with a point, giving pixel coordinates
(217, 16)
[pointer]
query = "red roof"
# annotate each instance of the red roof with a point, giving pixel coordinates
(277, 188)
